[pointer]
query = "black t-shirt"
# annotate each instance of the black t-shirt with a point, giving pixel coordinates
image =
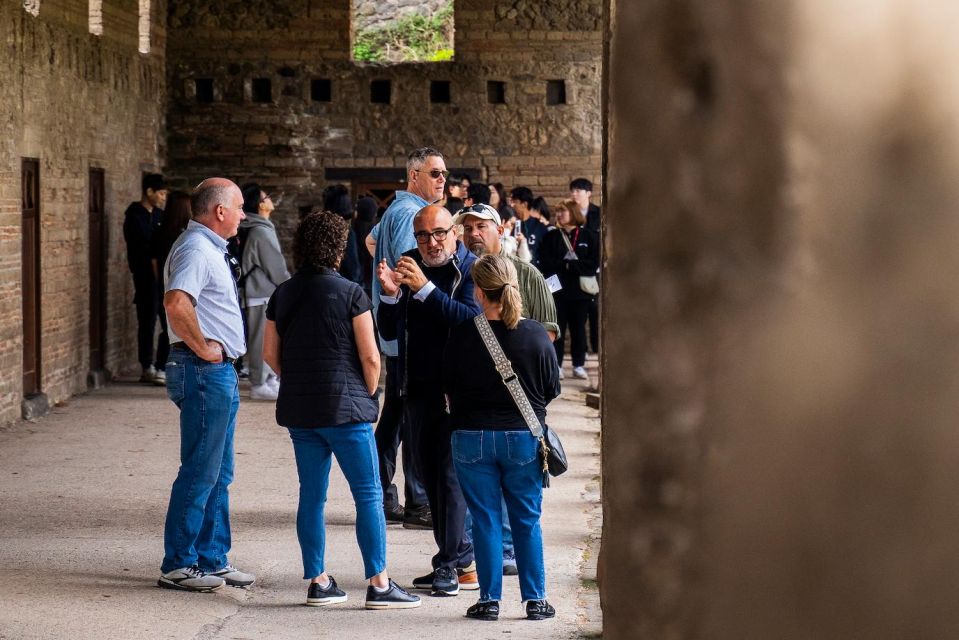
(478, 398)
(323, 384)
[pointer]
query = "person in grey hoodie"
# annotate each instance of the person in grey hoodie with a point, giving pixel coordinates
(263, 267)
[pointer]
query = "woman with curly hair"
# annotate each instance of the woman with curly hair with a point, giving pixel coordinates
(319, 337)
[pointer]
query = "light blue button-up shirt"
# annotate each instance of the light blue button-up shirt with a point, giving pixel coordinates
(198, 265)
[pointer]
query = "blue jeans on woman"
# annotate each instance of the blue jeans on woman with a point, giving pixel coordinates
(493, 466)
(355, 451)
(197, 530)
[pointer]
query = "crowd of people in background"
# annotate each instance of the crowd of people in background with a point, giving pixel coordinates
(415, 285)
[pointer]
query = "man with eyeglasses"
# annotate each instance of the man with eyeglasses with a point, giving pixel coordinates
(206, 337)
(427, 293)
(392, 237)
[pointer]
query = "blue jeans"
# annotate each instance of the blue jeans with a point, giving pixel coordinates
(355, 451)
(493, 466)
(197, 529)
(507, 531)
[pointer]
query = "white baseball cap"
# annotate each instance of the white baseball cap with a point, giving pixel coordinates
(481, 211)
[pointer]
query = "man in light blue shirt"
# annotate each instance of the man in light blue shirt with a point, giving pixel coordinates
(206, 336)
(426, 180)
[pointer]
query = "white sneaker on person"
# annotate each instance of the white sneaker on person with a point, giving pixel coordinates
(561, 374)
(190, 579)
(580, 372)
(273, 382)
(159, 378)
(234, 577)
(263, 392)
(148, 375)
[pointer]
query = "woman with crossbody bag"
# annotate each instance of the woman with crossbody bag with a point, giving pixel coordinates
(495, 454)
(571, 253)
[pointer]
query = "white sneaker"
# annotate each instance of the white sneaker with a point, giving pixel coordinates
(159, 378)
(263, 392)
(561, 374)
(273, 382)
(234, 577)
(148, 375)
(580, 372)
(190, 579)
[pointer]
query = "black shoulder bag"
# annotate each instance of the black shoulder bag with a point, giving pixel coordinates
(551, 450)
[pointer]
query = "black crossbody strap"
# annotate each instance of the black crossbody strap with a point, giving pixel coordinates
(505, 370)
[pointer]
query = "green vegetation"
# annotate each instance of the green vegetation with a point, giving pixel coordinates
(413, 38)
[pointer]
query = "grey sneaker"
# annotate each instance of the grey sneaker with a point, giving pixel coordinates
(317, 596)
(190, 579)
(509, 564)
(234, 577)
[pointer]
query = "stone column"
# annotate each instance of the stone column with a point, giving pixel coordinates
(780, 450)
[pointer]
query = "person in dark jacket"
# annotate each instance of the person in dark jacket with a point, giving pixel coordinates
(176, 217)
(495, 454)
(556, 258)
(319, 336)
(336, 199)
(580, 192)
(427, 293)
(140, 221)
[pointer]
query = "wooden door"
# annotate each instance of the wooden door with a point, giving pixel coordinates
(97, 270)
(382, 192)
(30, 274)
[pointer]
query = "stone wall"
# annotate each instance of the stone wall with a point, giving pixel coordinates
(376, 14)
(290, 142)
(780, 456)
(74, 101)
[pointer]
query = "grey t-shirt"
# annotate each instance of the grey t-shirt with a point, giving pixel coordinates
(198, 265)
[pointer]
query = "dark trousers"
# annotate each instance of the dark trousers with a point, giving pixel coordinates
(148, 306)
(594, 324)
(429, 423)
(390, 431)
(572, 316)
(163, 340)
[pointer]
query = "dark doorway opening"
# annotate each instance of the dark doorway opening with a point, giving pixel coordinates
(30, 275)
(98, 277)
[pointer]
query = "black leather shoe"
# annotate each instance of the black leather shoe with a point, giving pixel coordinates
(317, 596)
(484, 611)
(396, 597)
(539, 610)
(395, 514)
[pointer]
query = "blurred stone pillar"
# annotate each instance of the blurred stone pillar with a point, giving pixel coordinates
(781, 400)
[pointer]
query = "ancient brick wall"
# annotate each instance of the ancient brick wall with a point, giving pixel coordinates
(74, 101)
(288, 142)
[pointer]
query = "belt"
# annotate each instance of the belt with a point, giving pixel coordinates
(181, 346)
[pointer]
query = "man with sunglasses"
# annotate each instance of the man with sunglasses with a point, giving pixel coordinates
(392, 237)
(429, 292)
(206, 337)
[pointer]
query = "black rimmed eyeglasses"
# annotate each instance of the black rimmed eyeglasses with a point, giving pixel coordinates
(422, 237)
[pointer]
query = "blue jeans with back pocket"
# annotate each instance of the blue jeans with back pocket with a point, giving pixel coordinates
(197, 530)
(493, 466)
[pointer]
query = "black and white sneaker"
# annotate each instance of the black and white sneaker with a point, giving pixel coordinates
(445, 582)
(190, 579)
(424, 582)
(234, 577)
(393, 598)
(317, 596)
(488, 610)
(394, 514)
(539, 610)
